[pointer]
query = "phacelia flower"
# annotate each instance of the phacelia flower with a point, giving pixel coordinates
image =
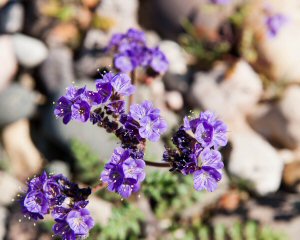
(119, 83)
(130, 51)
(64, 200)
(207, 130)
(151, 124)
(124, 172)
(274, 24)
(196, 153)
(75, 104)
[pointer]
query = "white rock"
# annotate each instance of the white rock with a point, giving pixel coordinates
(280, 122)
(8, 61)
(255, 160)
(20, 149)
(229, 95)
(280, 54)
(117, 12)
(12, 18)
(174, 100)
(100, 210)
(10, 186)
(30, 52)
(176, 56)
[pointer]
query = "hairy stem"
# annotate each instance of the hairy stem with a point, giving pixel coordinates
(157, 164)
(131, 97)
(99, 187)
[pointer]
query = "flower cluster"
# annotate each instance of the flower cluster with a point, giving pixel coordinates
(143, 122)
(64, 200)
(130, 51)
(77, 103)
(274, 23)
(197, 143)
(124, 172)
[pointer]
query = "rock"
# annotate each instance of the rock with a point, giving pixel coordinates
(229, 93)
(25, 159)
(280, 55)
(3, 218)
(63, 34)
(12, 18)
(17, 103)
(90, 61)
(176, 57)
(177, 82)
(174, 100)
(59, 167)
(8, 61)
(30, 52)
(20, 228)
(10, 186)
(253, 159)
(280, 122)
(116, 11)
(57, 70)
(95, 39)
(101, 217)
(291, 176)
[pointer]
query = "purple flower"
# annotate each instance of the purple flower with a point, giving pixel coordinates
(220, 2)
(80, 221)
(63, 109)
(122, 84)
(35, 204)
(274, 24)
(124, 172)
(206, 179)
(62, 228)
(158, 62)
(149, 119)
(116, 107)
(81, 111)
(76, 104)
(123, 62)
(105, 90)
(207, 130)
(130, 51)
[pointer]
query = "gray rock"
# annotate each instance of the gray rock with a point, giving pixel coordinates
(11, 18)
(3, 218)
(59, 167)
(30, 52)
(229, 95)
(57, 70)
(96, 39)
(17, 103)
(177, 82)
(253, 159)
(89, 62)
(279, 122)
(8, 61)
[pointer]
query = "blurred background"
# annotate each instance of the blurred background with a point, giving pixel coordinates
(238, 58)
